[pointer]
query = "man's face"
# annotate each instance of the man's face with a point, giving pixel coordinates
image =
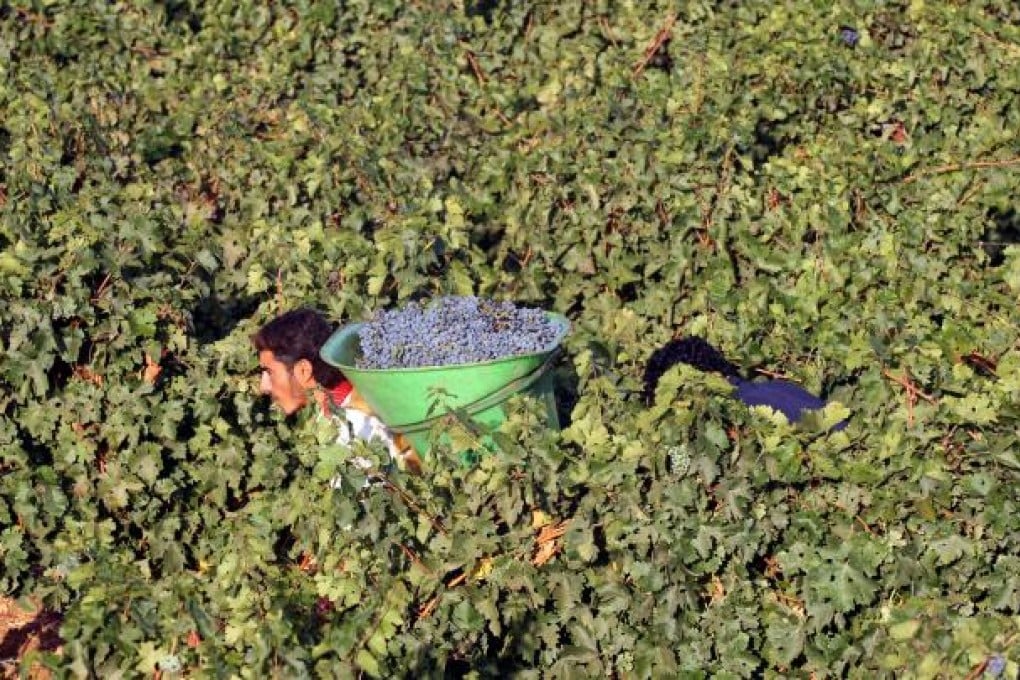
(281, 383)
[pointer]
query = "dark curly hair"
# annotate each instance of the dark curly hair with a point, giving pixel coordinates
(296, 335)
(690, 350)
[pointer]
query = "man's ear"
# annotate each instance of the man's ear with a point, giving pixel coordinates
(303, 373)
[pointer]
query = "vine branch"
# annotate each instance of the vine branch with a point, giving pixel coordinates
(653, 47)
(959, 167)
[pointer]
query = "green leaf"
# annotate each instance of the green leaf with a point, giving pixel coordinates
(839, 586)
(904, 630)
(974, 408)
(368, 663)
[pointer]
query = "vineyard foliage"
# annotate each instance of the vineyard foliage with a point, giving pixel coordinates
(825, 192)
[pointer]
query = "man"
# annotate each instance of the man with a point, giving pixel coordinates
(793, 401)
(296, 377)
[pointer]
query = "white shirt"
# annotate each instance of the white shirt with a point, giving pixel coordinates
(354, 424)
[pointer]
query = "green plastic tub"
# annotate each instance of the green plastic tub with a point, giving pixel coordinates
(402, 397)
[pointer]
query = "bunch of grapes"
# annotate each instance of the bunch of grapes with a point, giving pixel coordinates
(453, 330)
(995, 665)
(170, 664)
(679, 459)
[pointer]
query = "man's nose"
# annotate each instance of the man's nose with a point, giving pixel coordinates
(265, 384)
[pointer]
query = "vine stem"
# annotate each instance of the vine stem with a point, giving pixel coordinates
(959, 167)
(437, 524)
(370, 632)
(912, 392)
(656, 43)
(978, 670)
(411, 555)
(475, 66)
(279, 289)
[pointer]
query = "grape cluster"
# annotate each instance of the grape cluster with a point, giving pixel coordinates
(995, 666)
(453, 330)
(171, 664)
(849, 36)
(679, 459)
(324, 607)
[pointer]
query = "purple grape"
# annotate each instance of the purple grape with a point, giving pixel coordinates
(323, 606)
(849, 35)
(995, 666)
(453, 330)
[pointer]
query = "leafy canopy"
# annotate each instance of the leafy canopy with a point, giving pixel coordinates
(175, 173)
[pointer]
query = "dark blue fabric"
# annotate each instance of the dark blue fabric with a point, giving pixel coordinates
(789, 399)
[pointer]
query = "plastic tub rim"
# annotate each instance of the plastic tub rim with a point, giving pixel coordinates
(561, 321)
